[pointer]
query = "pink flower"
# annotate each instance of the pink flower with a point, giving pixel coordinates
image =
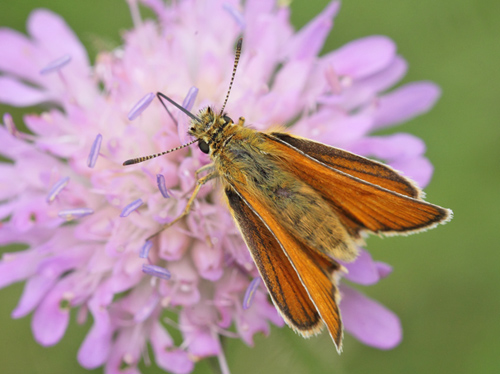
(85, 218)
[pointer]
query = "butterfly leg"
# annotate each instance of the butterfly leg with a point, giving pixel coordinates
(199, 183)
(207, 167)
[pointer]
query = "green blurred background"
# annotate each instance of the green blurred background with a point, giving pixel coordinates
(445, 286)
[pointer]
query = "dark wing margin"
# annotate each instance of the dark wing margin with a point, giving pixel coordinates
(360, 167)
(281, 280)
(300, 280)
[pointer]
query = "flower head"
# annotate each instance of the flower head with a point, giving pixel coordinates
(85, 218)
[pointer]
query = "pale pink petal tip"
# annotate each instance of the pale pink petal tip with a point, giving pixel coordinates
(56, 189)
(406, 102)
(16, 93)
(175, 361)
(144, 253)
(160, 180)
(249, 294)
(190, 98)
(95, 349)
(131, 207)
(72, 214)
(94, 151)
(383, 269)
(140, 106)
(156, 271)
(368, 321)
(56, 64)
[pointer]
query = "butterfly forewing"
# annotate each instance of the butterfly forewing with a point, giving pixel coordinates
(360, 204)
(363, 168)
(315, 271)
(280, 278)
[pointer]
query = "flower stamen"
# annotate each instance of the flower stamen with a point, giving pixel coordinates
(160, 180)
(236, 14)
(9, 124)
(72, 214)
(56, 65)
(8, 121)
(140, 106)
(190, 98)
(249, 294)
(131, 207)
(156, 271)
(94, 151)
(144, 253)
(56, 189)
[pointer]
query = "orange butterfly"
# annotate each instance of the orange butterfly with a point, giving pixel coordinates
(301, 206)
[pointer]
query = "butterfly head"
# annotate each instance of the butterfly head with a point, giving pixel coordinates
(209, 128)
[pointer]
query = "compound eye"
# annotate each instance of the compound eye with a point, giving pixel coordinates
(203, 146)
(227, 119)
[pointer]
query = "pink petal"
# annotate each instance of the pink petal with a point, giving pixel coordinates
(6, 209)
(255, 319)
(35, 289)
(185, 290)
(419, 169)
(309, 40)
(96, 346)
(13, 147)
(17, 266)
(50, 319)
(125, 352)
(208, 260)
(173, 245)
(172, 360)
(47, 27)
(255, 9)
(44, 125)
(391, 147)
(386, 78)
(383, 269)
(363, 270)
(331, 127)
(363, 57)
(405, 103)
(248, 324)
(175, 361)
(368, 321)
(203, 344)
(292, 78)
(9, 190)
(266, 36)
(15, 93)
(17, 56)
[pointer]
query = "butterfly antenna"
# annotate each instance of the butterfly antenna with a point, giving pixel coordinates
(145, 158)
(236, 60)
(180, 107)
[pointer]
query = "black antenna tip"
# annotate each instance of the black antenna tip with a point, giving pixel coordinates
(129, 162)
(240, 42)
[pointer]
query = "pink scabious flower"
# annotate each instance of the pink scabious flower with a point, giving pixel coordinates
(84, 217)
